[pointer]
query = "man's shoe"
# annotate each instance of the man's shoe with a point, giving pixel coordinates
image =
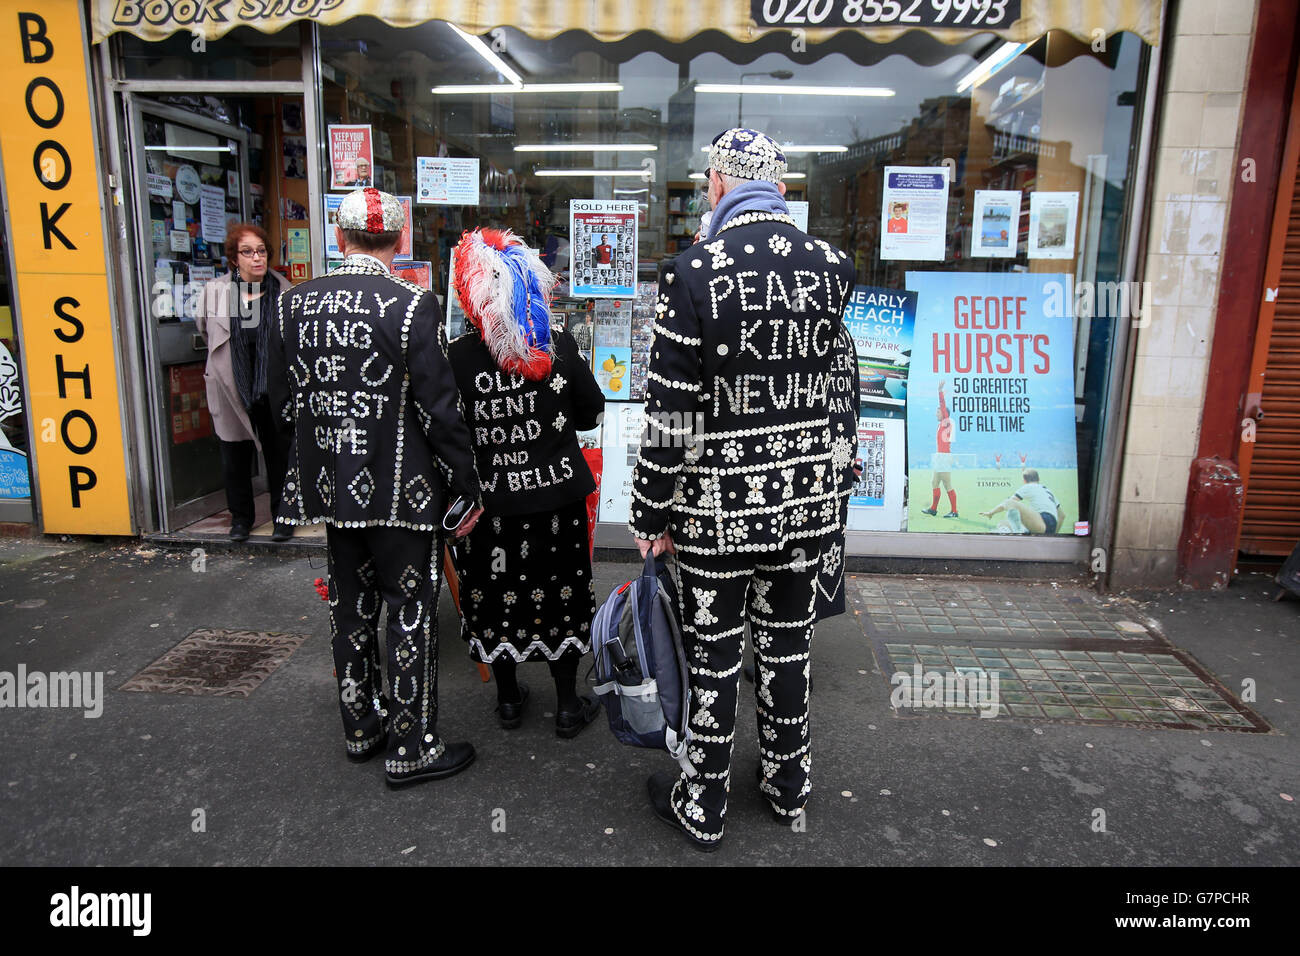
(282, 532)
(660, 789)
(952, 514)
(239, 532)
(929, 511)
(570, 723)
(453, 760)
(510, 716)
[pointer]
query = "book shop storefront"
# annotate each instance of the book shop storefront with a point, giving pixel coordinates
(977, 159)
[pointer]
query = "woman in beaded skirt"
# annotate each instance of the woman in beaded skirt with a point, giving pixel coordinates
(525, 571)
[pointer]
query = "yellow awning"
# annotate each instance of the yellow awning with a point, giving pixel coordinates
(614, 19)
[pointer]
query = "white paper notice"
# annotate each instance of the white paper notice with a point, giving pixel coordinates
(621, 442)
(799, 212)
(996, 229)
(212, 213)
(180, 240)
(202, 273)
(914, 214)
(179, 214)
(1053, 220)
(159, 186)
(446, 181)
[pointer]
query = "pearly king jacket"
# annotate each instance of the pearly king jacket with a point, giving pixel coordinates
(359, 366)
(525, 433)
(738, 453)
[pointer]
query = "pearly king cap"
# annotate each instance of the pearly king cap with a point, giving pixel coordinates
(747, 154)
(369, 210)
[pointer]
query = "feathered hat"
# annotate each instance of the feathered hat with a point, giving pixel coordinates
(505, 290)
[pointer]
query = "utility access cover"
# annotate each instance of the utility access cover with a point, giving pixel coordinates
(217, 663)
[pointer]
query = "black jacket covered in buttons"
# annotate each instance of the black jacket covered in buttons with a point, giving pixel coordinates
(525, 433)
(738, 453)
(358, 364)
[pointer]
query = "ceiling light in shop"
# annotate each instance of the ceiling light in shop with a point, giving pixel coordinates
(486, 52)
(999, 58)
(182, 148)
(632, 192)
(589, 172)
(496, 88)
(785, 89)
(586, 148)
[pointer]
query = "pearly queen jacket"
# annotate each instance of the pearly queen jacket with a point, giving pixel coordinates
(737, 453)
(358, 366)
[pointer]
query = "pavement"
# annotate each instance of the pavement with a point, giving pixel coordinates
(1170, 738)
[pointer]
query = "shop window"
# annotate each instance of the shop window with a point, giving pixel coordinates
(242, 54)
(1032, 144)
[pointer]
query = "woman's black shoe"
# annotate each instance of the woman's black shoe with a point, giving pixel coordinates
(282, 532)
(570, 723)
(510, 716)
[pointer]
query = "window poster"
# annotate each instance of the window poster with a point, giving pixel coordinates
(1053, 221)
(643, 316)
(611, 366)
(212, 213)
(421, 273)
(332, 202)
(621, 441)
(799, 212)
(914, 213)
(297, 241)
(446, 180)
(603, 247)
(876, 500)
(352, 157)
(990, 409)
(881, 322)
(456, 323)
(996, 231)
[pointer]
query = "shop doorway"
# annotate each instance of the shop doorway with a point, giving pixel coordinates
(199, 163)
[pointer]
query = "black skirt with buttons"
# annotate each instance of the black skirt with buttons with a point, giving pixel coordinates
(525, 585)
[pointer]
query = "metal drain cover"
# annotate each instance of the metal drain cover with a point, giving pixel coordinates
(217, 663)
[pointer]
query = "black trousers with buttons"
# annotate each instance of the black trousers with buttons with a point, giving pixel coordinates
(371, 568)
(775, 593)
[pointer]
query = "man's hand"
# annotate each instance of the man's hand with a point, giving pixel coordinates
(658, 545)
(467, 523)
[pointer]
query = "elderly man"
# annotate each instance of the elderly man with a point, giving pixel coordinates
(363, 173)
(739, 473)
(379, 448)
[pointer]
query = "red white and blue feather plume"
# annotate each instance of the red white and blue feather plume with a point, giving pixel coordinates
(505, 290)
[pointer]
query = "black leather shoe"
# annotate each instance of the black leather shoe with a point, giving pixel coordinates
(453, 760)
(510, 716)
(570, 723)
(660, 789)
(239, 532)
(282, 532)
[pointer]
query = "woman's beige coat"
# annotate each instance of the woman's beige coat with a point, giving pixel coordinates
(229, 417)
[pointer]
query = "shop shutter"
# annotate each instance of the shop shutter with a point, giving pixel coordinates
(1271, 465)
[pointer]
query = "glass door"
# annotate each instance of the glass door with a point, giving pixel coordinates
(191, 180)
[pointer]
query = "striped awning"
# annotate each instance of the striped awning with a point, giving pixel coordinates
(948, 20)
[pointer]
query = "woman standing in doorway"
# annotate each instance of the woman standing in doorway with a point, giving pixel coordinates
(525, 571)
(234, 318)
